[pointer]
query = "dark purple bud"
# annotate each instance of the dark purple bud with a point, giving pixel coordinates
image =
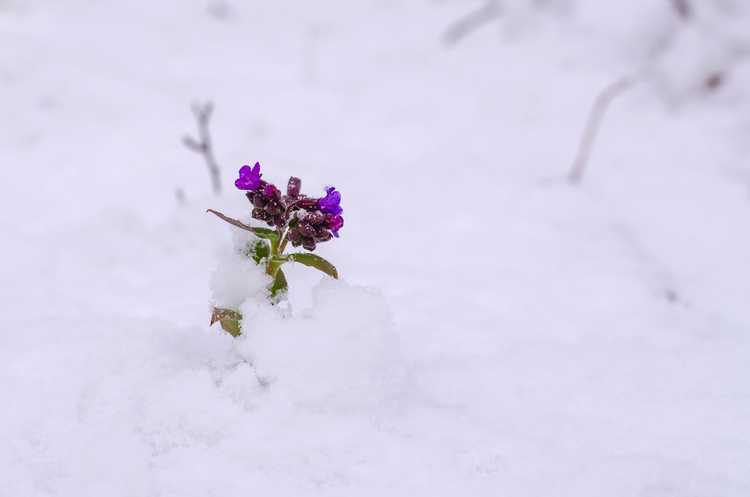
(308, 204)
(308, 243)
(249, 177)
(322, 235)
(260, 214)
(274, 208)
(271, 192)
(293, 187)
(335, 223)
(306, 229)
(295, 237)
(315, 218)
(259, 201)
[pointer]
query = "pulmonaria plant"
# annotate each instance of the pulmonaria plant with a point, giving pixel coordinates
(291, 218)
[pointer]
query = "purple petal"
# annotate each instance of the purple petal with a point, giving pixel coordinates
(335, 223)
(330, 203)
(249, 177)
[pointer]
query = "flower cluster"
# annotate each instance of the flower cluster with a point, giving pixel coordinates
(294, 218)
(309, 220)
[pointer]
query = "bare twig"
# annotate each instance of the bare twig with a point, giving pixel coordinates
(682, 8)
(179, 194)
(471, 22)
(602, 102)
(203, 145)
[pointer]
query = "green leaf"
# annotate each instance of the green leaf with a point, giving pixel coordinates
(279, 285)
(274, 263)
(232, 327)
(258, 251)
(229, 320)
(265, 233)
(315, 261)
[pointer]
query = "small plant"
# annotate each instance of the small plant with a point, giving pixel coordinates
(292, 218)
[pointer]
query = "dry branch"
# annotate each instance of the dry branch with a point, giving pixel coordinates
(596, 116)
(682, 9)
(471, 22)
(203, 144)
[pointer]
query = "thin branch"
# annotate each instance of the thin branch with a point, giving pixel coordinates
(683, 9)
(203, 145)
(596, 116)
(179, 194)
(471, 22)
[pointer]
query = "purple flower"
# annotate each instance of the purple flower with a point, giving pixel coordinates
(335, 223)
(330, 203)
(249, 178)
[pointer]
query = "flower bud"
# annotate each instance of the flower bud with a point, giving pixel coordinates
(271, 192)
(274, 208)
(323, 235)
(308, 244)
(259, 200)
(315, 218)
(308, 204)
(295, 237)
(306, 229)
(293, 187)
(260, 214)
(335, 223)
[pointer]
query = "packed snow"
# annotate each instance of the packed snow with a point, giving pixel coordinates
(496, 330)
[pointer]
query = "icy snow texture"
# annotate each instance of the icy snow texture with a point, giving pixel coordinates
(340, 354)
(237, 278)
(588, 341)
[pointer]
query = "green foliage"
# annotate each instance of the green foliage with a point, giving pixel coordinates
(279, 287)
(258, 251)
(315, 261)
(229, 320)
(268, 250)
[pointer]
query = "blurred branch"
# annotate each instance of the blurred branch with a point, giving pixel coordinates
(682, 8)
(471, 22)
(179, 194)
(203, 144)
(596, 116)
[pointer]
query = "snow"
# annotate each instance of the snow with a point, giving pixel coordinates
(235, 279)
(496, 331)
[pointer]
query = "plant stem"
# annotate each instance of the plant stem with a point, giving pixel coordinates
(283, 242)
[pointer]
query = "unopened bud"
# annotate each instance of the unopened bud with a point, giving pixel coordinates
(306, 229)
(315, 218)
(323, 235)
(293, 187)
(308, 244)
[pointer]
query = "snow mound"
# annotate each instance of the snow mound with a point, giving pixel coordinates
(237, 277)
(341, 353)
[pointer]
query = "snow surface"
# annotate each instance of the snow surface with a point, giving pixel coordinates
(496, 331)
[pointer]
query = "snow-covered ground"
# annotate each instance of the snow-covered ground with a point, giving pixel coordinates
(496, 331)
